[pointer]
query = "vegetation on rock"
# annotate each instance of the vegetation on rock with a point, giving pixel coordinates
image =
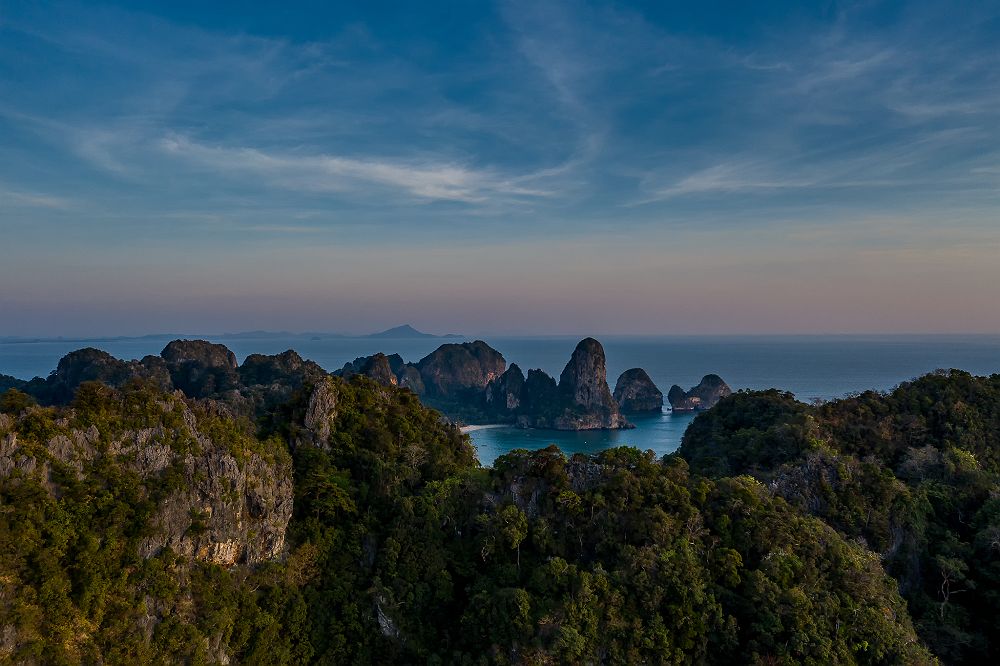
(139, 525)
(913, 474)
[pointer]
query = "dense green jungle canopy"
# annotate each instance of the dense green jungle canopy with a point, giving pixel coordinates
(347, 523)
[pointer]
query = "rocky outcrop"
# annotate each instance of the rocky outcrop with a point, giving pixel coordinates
(286, 368)
(503, 394)
(7, 382)
(636, 393)
(228, 511)
(388, 370)
(357, 367)
(269, 381)
(704, 396)
(89, 364)
(584, 381)
(320, 414)
(377, 367)
(201, 368)
(584, 399)
(540, 397)
(409, 378)
(454, 371)
(226, 502)
(580, 401)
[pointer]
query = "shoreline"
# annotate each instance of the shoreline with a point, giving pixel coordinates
(486, 426)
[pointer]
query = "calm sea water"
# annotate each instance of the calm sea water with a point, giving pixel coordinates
(812, 367)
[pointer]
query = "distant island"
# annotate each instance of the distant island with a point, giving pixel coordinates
(407, 332)
(403, 332)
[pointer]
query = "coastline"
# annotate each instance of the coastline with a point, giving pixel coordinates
(485, 426)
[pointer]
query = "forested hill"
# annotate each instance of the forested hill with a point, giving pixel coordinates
(913, 475)
(286, 516)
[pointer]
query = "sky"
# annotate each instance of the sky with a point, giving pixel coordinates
(523, 167)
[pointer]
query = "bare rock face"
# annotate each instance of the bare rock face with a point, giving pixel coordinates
(228, 503)
(636, 393)
(409, 377)
(581, 400)
(503, 395)
(584, 382)
(388, 370)
(321, 413)
(585, 378)
(704, 396)
(539, 398)
(396, 365)
(378, 368)
(201, 368)
(456, 369)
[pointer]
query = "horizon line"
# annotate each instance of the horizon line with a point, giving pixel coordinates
(455, 336)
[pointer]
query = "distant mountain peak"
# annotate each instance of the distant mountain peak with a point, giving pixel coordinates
(404, 331)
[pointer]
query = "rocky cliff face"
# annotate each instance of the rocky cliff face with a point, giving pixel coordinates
(227, 502)
(539, 397)
(580, 401)
(378, 368)
(395, 363)
(389, 370)
(636, 393)
(705, 395)
(454, 370)
(91, 364)
(409, 378)
(503, 395)
(200, 368)
(584, 382)
(286, 368)
(469, 382)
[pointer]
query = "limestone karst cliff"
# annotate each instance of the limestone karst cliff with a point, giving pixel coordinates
(456, 371)
(581, 400)
(636, 393)
(470, 382)
(141, 525)
(221, 495)
(503, 394)
(704, 396)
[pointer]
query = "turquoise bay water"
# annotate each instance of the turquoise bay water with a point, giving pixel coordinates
(661, 433)
(811, 367)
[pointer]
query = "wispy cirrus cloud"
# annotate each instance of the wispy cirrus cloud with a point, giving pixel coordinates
(727, 178)
(331, 173)
(22, 199)
(762, 138)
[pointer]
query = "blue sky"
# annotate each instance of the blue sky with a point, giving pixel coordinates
(538, 167)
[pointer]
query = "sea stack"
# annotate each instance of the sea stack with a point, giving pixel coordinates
(636, 393)
(704, 396)
(584, 385)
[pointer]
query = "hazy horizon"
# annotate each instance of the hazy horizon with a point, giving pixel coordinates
(513, 167)
(466, 335)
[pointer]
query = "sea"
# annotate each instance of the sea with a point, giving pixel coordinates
(814, 368)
